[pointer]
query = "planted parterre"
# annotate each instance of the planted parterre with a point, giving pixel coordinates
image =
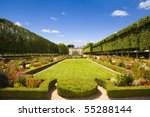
(132, 40)
(17, 82)
(133, 78)
(76, 77)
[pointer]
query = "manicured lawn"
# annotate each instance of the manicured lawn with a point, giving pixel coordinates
(76, 77)
(75, 69)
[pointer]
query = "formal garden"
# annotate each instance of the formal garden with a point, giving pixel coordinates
(32, 67)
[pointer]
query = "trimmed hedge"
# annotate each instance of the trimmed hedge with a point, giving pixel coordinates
(113, 67)
(123, 92)
(31, 93)
(28, 93)
(76, 88)
(38, 69)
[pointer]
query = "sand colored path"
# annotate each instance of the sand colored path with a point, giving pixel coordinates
(101, 95)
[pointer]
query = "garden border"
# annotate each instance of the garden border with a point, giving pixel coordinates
(42, 92)
(123, 91)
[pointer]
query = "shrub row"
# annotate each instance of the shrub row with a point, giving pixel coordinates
(42, 92)
(123, 92)
(113, 67)
(76, 88)
(38, 69)
(28, 93)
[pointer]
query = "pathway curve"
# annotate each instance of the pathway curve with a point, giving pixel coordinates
(101, 95)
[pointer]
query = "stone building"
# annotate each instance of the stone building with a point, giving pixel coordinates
(75, 51)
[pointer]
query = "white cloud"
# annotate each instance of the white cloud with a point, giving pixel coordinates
(63, 13)
(144, 5)
(50, 31)
(60, 35)
(55, 31)
(18, 24)
(54, 18)
(27, 23)
(119, 13)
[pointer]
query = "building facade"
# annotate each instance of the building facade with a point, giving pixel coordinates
(75, 51)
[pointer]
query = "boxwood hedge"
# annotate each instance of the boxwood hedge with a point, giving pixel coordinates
(31, 93)
(28, 93)
(76, 88)
(123, 92)
(38, 69)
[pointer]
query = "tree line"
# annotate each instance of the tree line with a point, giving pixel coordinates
(18, 40)
(133, 38)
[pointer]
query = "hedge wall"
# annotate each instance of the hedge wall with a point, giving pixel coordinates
(38, 69)
(123, 92)
(28, 93)
(133, 37)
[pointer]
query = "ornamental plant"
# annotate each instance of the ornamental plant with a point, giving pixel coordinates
(33, 83)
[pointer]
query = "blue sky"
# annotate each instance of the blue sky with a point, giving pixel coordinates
(74, 21)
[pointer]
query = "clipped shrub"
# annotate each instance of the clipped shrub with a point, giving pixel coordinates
(76, 88)
(38, 69)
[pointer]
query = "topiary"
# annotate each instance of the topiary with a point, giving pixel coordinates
(76, 88)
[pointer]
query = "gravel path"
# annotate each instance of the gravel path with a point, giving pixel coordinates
(101, 95)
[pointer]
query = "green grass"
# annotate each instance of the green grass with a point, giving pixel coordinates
(76, 77)
(75, 69)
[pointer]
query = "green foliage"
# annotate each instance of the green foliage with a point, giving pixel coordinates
(70, 46)
(88, 48)
(133, 37)
(63, 49)
(76, 88)
(115, 92)
(123, 80)
(21, 80)
(33, 83)
(28, 93)
(74, 71)
(17, 40)
(38, 69)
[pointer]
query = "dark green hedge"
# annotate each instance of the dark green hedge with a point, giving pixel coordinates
(38, 69)
(113, 67)
(43, 92)
(18, 40)
(29, 93)
(131, 38)
(123, 92)
(76, 88)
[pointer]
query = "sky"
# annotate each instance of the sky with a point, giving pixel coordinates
(75, 22)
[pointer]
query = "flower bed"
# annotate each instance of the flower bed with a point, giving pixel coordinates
(137, 71)
(134, 80)
(18, 84)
